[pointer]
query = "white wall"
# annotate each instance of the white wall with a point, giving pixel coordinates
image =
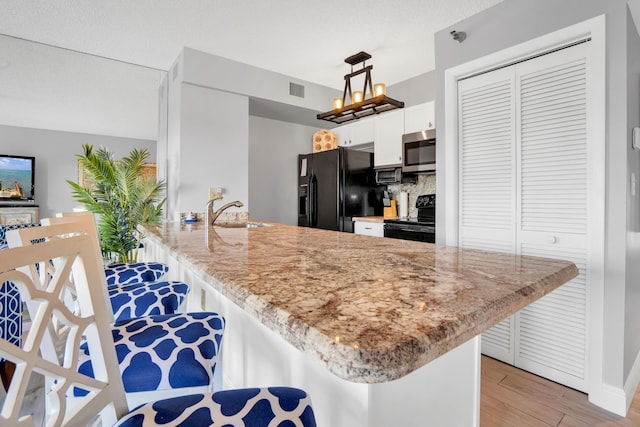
(214, 147)
(416, 90)
(225, 74)
(171, 121)
(56, 161)
(208, 128)
(273, 156)
(632, 294)
(517, 21)
(163, 137)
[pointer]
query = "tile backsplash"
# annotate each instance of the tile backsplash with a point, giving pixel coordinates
(426, 185)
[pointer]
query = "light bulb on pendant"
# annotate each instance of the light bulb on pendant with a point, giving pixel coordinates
(357, 97)
(337, 103)
(379, 89)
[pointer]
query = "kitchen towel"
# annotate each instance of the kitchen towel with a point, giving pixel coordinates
(404, 204)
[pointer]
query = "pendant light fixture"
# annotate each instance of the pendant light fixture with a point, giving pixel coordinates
(353, 105)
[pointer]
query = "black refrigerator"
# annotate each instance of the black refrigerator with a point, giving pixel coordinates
(336, 185)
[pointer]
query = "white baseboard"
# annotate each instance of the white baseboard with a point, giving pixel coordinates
(616, 399)
(613, 400)
(631, 384)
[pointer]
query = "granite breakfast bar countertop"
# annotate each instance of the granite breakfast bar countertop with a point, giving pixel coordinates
(370, 309)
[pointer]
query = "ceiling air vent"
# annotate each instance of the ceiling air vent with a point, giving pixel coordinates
(296, 90)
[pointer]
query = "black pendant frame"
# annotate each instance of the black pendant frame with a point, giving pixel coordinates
(366, 107)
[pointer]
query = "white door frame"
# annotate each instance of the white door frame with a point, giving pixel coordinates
(599, 393)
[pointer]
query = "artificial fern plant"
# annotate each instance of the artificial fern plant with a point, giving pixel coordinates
(121, 196)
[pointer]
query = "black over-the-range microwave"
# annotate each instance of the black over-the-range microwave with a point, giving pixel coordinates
(419, 151)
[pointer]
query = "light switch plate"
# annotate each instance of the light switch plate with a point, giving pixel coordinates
(635, 139)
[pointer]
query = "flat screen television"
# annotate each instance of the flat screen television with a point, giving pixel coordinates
(17, 179)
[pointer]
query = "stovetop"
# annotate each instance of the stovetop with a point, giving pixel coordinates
(426, 206)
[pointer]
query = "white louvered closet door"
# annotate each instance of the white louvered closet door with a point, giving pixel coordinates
(551, 334)
(523, 188)
(486, 105)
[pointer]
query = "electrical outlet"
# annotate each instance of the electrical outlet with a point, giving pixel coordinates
(215, 193)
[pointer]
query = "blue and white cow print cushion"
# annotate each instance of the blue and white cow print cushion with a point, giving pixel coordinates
(146, 299)
(253, 407)
(134, 272)
(164, 352)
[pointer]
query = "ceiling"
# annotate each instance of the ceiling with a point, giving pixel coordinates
(65, 89)
(95, 65)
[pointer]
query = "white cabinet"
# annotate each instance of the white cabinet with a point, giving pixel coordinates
(362, 131)
(419, 117)
(344, 134)
(357, 132)
(369, 228)
(389, 128)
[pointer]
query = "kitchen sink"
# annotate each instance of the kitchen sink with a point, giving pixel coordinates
(241, 224)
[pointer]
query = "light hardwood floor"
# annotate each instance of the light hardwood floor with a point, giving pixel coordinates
(512, 397)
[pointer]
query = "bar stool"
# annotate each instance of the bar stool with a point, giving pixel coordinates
(162, 297)
(278, 406)
(159, 356)
(135, 289)
(134, 272)
(147, 299)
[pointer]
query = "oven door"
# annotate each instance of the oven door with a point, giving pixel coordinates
(418, 233)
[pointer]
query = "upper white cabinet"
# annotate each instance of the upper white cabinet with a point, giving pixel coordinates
(385, 131)
(419, 117)
(362, 131)
(355, 133)
(344, 134)
(389, 128)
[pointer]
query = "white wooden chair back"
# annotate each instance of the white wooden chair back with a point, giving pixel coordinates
(72, 247)
(90, 217)
(85, 219)
(80, 221)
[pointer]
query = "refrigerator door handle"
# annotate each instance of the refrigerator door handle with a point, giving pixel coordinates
(310, 203)
(313, 205)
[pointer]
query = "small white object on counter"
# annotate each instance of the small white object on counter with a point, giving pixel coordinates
(404, 204)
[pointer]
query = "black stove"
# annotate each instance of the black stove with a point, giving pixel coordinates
(421, 229)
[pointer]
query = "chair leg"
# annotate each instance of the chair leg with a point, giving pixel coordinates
(7, 369)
